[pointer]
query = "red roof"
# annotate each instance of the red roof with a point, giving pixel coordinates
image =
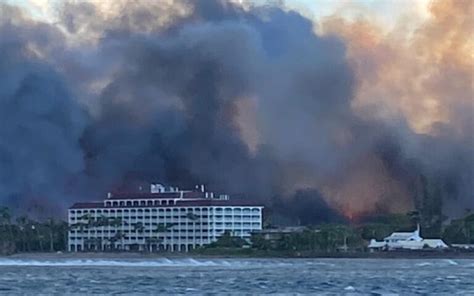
(149, 195)
(87, 205)
(183, 203)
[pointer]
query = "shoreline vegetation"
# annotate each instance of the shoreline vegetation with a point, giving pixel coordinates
(240, 254)
(20, 236)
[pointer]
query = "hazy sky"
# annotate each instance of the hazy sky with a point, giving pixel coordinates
(384, 12)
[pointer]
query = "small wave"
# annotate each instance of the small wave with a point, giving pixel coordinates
(451, 262)
(424, 264)
(111, 262)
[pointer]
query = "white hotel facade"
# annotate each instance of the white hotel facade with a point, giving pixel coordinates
(163, 219)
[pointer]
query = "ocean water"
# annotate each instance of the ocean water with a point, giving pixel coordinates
(236, 276)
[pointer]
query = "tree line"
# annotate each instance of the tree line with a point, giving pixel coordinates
(23, 234)
(340, 237)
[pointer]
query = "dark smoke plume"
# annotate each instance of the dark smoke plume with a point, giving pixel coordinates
(246, 100)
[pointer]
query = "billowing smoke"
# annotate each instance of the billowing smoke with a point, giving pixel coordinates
(41, 122)
(248, 100)
(423, 78)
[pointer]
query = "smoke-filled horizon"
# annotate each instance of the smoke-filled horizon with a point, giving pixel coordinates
(342, 120)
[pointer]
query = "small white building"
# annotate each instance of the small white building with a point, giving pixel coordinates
(163, 219)
(407, 241)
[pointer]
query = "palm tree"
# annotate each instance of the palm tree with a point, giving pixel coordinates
(50, 224)
(22, 227)
(102, 221)
(79, 226)
(115, 222)
(138, 227)
(195, 218)
(118, 236)
(151, 240)
(192, 216)
(36, 229)
(164, 227)
(161, 228)
(5, 221)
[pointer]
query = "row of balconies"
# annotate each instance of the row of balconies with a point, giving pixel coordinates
(175, 228)
(196, 220)
(137, 232)
(152, 233)
(195, 236)
(144, 238)
(168, 214)
(195, 210)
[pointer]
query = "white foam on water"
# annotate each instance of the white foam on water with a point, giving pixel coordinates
(165, 262)
(424, 264)
(451, 262)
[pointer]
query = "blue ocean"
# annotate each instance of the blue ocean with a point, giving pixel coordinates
(236, 276)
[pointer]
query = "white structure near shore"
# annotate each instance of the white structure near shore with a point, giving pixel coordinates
(163, 219)
(407, 241)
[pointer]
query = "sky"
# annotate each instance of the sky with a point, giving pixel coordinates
(386, 12)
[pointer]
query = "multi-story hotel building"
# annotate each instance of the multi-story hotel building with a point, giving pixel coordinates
(162, 219)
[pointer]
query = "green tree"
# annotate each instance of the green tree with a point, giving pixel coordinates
(5, 223)
(226, 240)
